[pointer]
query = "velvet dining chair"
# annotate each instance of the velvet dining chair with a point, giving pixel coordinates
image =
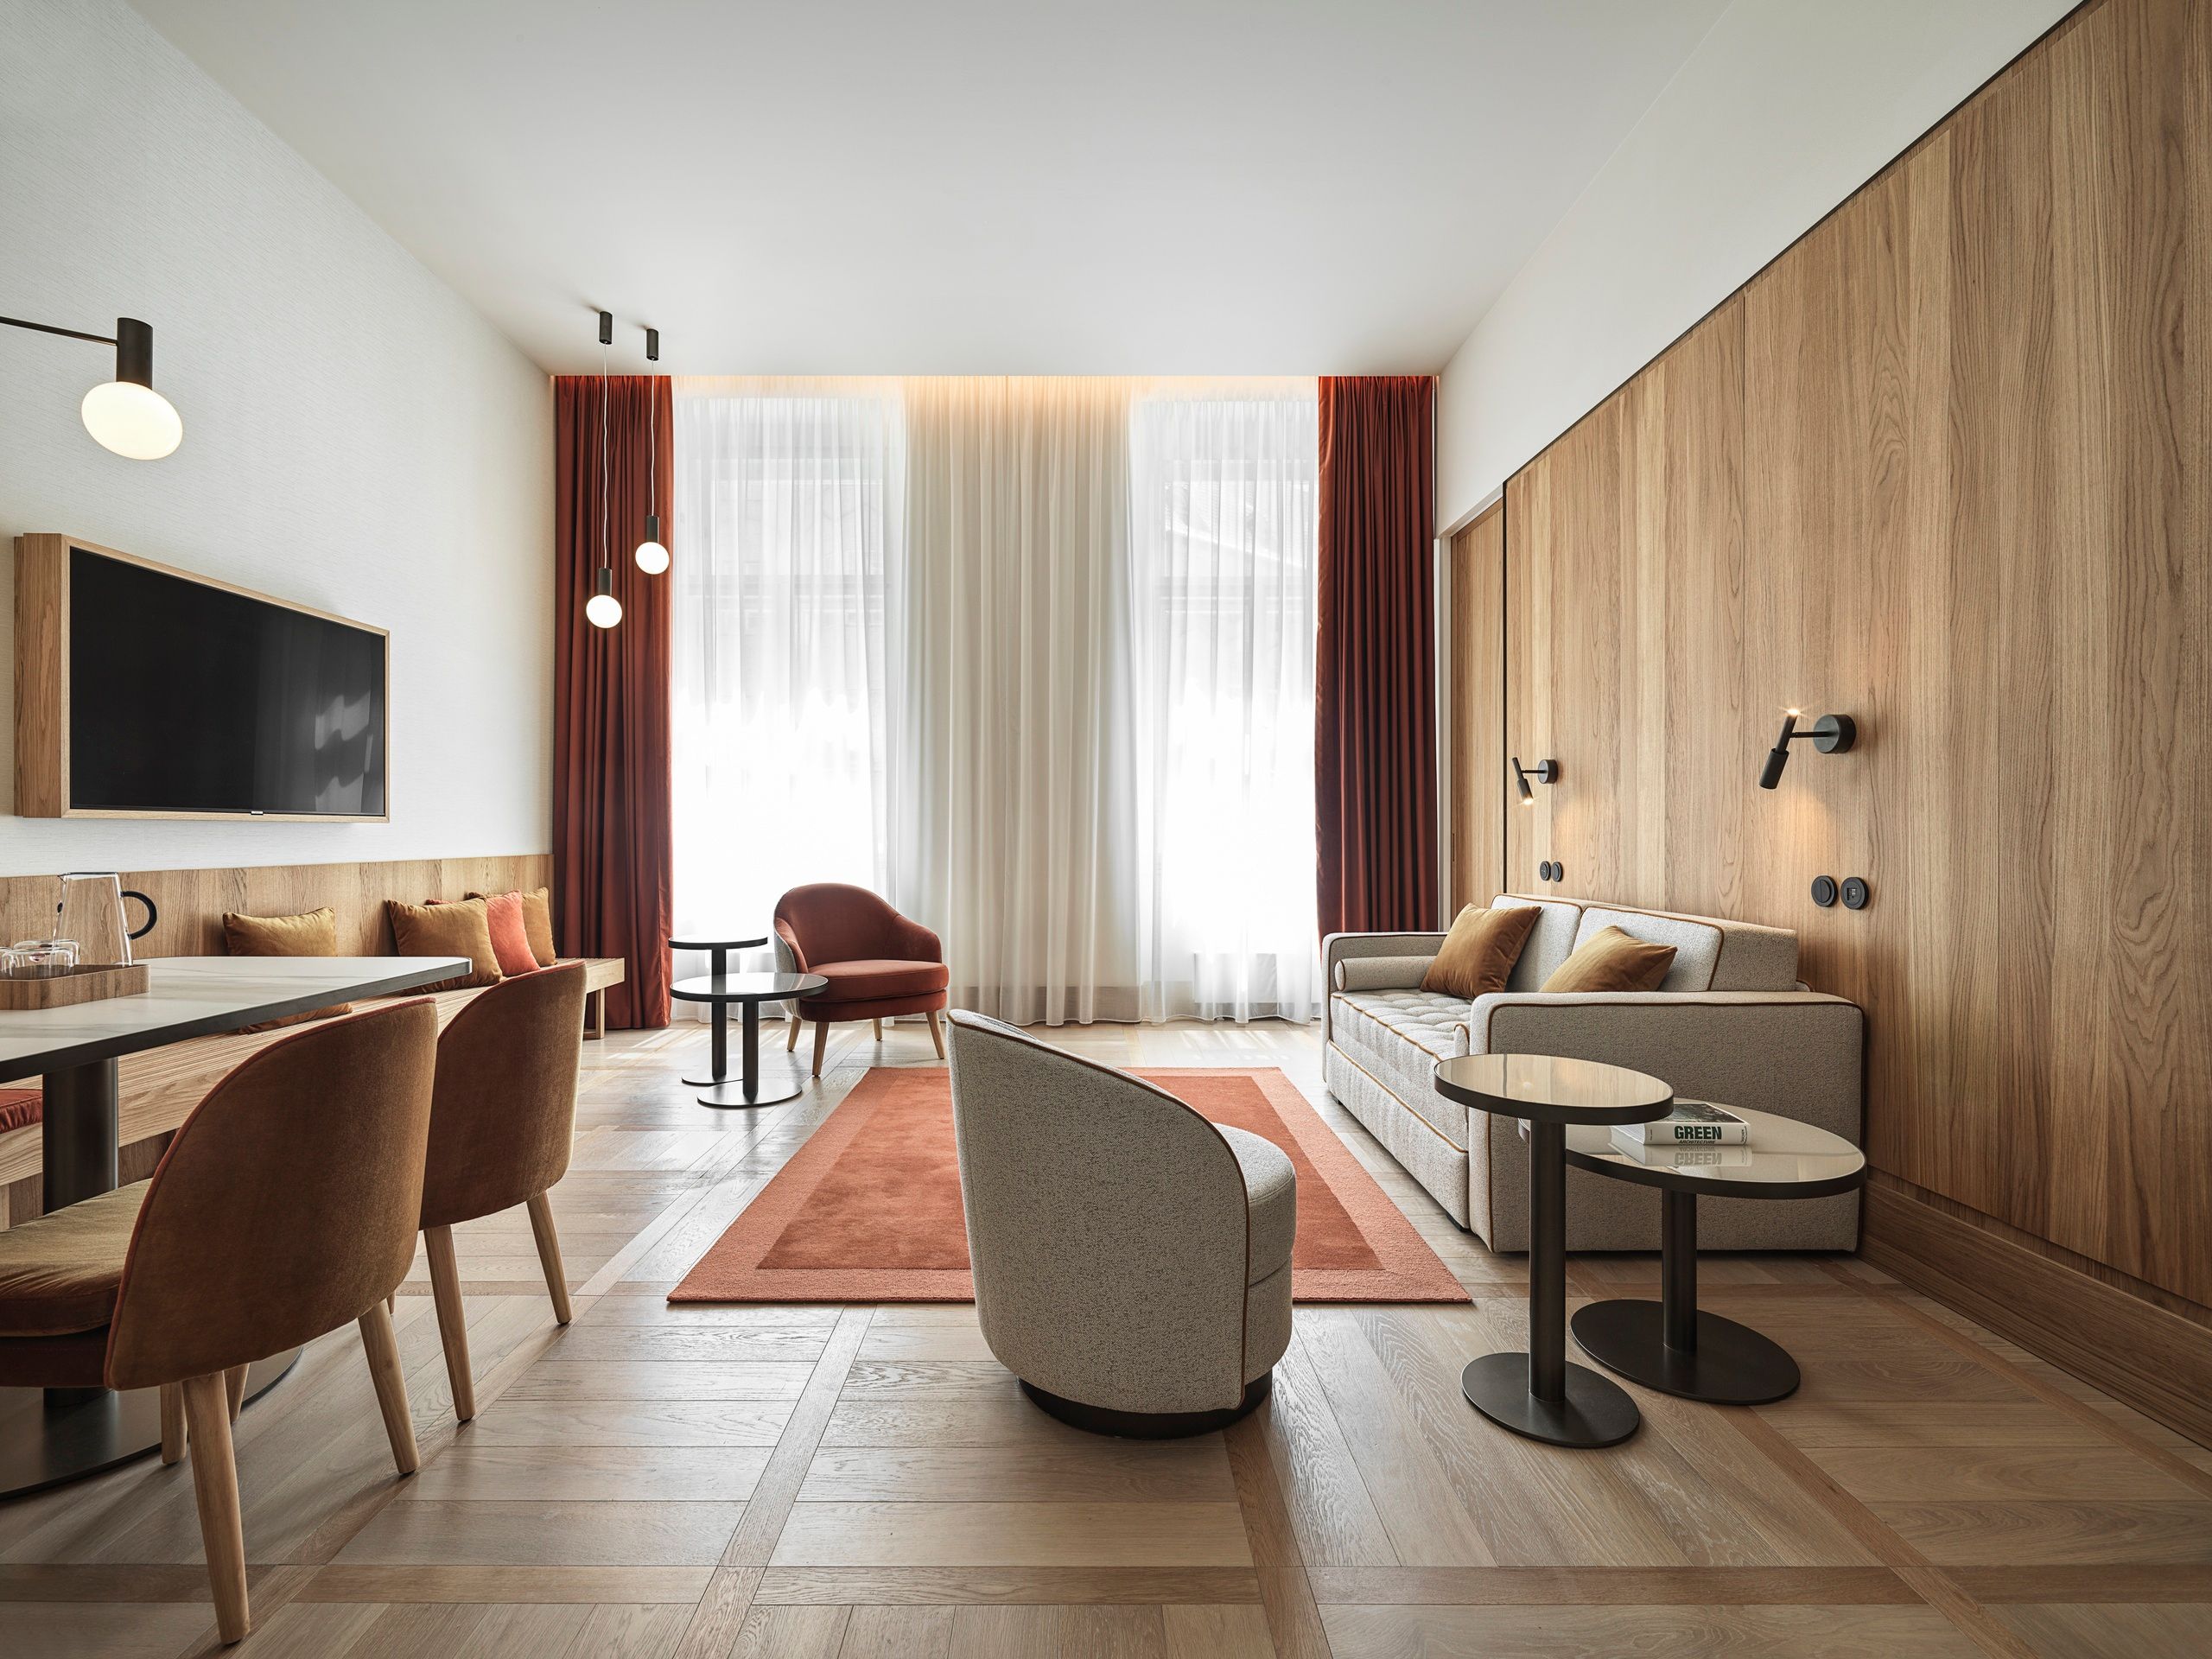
(879, 964)
(501, 1129)
(284, 1208)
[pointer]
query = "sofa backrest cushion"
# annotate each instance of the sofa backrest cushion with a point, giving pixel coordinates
(1550, 942)
(1710, 954)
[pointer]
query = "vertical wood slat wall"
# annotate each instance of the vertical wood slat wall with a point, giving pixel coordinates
(1476, 812)
(1945, 465)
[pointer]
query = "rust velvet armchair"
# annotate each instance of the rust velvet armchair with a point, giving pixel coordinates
(878, 964)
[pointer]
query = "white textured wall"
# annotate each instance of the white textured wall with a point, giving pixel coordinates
(1785, 108)
(355, 436)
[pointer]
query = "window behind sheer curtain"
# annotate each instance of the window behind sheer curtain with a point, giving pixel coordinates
(788, 516)
(1223, 533)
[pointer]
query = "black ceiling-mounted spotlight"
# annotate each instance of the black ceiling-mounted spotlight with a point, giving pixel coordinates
(124, 414)
(1544, 772)
(1831, 734)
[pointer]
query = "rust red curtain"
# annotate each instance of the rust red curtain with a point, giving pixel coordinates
(613, 846)
(1374, 667)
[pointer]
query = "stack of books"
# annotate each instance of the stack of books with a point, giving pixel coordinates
(1696, 1132)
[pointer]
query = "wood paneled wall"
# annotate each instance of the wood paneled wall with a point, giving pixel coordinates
(1945, 465)
(193, 902)
(1477, 817)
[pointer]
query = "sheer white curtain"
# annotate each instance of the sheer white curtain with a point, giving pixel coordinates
(1013, 810)
(789, 504)
(1223, 486)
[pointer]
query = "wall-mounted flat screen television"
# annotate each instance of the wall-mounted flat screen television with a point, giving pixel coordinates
(191, 698)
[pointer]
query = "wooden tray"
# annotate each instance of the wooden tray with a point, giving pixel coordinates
(85, 984)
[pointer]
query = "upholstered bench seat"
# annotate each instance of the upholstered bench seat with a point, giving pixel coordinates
(59, 1274)
(1271, 1189)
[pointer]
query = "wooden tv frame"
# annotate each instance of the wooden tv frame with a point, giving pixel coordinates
(42, 686)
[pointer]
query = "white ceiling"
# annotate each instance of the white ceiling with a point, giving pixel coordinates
(1263, 187)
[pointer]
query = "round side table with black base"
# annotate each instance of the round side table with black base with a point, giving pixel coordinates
(1669, 1345)
(718, 960)
(750, 1087)
(1539, 1394)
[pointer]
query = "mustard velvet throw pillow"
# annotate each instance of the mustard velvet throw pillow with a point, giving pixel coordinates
(315, 934)
(457, 930)
(1477, 955)
(1610, 961)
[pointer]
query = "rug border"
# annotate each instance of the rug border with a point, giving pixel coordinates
(1411, 1270)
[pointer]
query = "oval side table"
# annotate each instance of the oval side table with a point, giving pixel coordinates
(748, 991)
(1669, 1345)
(1538, 1393)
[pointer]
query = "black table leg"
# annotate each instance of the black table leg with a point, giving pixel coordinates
(1669, 1345)
(750, 1088)
(49, 1436)
(1539, 1394)
(718, 1040)
(751, 1050)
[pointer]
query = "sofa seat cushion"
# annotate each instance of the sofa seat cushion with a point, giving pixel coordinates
(873, 980)
(1397, 1037)
(1271, 1191)
(59, 1273)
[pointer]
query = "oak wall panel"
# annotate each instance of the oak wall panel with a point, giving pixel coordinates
(1943, 466)
(1477, 635)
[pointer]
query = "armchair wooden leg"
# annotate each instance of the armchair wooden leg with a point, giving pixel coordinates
(172, 1422)
(791, 1042)
(234, 1385)
(215, 1484)
(549, 1257)
(453, 1320)
(383, 1349)
(937, 1034)
(821, 1044)
(879, 1031)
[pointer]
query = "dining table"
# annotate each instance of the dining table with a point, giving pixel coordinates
(52, 1435)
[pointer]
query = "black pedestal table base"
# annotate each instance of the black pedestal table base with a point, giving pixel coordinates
(1592, 1410)
(44, 1444)
(771, 1086)
(1730, 1365)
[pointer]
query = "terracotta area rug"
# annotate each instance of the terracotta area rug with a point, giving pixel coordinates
(869, 1209)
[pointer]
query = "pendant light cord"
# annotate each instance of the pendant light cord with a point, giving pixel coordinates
(605, 544)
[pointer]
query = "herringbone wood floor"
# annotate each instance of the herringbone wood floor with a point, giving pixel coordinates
(861, 1481)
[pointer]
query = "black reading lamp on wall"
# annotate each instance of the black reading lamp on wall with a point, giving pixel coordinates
(1831, 734)
(124, 414)
(1544, 772)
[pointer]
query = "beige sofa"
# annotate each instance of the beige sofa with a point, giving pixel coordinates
(1732, 1023)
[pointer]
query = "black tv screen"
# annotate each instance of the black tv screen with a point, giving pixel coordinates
(186, 697)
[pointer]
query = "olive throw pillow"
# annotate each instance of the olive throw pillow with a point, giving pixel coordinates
(315, 934)
(459, 929)
(1477, 955)
(1611, 961)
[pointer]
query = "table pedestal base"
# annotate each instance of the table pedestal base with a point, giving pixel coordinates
(44, 1444)
(771, 1085)
(1593, 1410)
(1731, 1364)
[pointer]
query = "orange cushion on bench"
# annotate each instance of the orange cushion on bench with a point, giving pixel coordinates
(20, 1109)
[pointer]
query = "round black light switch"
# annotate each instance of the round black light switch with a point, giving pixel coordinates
(1824, 891)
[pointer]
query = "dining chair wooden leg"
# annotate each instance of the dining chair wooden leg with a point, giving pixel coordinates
(821, 1044)
(384, 1371)
(234, 1385)
(215, 1484)
(453, 1320)
(791, 1042)
(937, 1034)
(172, 1422)
(879, 1031)
(549, 1257)
(391, 1303)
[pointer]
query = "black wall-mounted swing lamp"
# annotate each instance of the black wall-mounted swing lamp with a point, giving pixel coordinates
(1831, 734)
(124, 414)
(1544, 772)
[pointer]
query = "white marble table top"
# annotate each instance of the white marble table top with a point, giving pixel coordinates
(191, 996)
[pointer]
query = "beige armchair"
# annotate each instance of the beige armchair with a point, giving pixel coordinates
(1132, 1260)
